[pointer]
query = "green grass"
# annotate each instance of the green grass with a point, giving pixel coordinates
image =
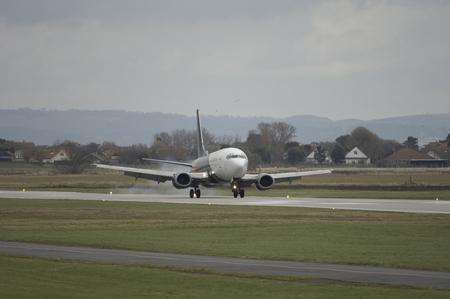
(25, 278)
(402, 240)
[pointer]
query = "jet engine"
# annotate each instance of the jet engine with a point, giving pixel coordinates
(182, 180)
(264, 182)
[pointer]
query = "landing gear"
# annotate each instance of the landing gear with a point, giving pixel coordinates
(195, 192)
(237, 190)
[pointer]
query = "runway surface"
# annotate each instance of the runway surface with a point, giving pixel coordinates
(391, 205)
(346, 273)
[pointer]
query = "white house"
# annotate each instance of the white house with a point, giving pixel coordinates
(356, 156)
(61, 155)
(311, 158)
(18, 155)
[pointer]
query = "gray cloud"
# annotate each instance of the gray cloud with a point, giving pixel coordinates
(340, 59)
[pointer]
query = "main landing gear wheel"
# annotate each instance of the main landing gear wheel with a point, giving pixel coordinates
(235, 193)
(195, 192)
(241, 193)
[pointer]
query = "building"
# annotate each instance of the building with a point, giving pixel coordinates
(61, 155)
(18, 155)
(407, 157)
(6, 156)
(311, 159)
(356, 157)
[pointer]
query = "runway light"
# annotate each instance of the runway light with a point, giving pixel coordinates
(110, 192)
(23, 190)
(437, 198)
(287, 196)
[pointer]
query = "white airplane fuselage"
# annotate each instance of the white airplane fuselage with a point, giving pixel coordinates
(225, 165)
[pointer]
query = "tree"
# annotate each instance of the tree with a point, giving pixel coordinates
(81, 157)
(368, 142)
(412, 143)
(295, 155)
(346, 142)
(338, 153)
(273, 137)
(319, 154)
(390, 146)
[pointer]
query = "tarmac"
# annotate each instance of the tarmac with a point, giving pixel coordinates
(388, 205)
(334, 272)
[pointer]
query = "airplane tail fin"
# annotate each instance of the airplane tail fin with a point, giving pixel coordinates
(200, 146)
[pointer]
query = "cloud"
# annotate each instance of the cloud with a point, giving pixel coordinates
(319, 57)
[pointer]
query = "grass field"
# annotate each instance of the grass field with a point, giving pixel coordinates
(25, 278)
(280, 233)
(22, 277)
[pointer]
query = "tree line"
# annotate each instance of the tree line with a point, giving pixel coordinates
(269, 144)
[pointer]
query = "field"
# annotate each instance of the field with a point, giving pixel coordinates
(25, 278)
(351, 237)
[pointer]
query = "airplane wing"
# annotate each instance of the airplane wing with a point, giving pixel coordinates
(152, 174)
(286, 176)
(168, 162)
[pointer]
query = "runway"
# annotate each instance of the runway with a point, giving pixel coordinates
(361, 274)
(389, 205)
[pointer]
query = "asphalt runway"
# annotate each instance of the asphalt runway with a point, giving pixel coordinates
(390, 205)
(361, 274)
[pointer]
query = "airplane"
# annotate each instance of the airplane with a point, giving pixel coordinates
(222, 167)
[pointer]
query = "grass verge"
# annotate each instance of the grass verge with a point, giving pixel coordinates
(25, 278)
(420, 241)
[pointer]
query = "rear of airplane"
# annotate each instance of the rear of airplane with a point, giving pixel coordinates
(201, 152)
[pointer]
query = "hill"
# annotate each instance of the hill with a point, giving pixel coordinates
(124, 127)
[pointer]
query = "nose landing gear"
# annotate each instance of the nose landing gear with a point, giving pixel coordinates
(238, 191)
(195, 192)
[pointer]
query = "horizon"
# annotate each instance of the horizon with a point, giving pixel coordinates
(202, 114)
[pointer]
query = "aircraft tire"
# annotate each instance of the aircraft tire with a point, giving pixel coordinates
(241, 193)
(191, 193)
(235, 193)
(198, 193)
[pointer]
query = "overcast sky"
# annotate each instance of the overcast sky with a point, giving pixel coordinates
(338, 59)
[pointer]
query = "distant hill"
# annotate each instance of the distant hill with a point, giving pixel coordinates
(122, 127)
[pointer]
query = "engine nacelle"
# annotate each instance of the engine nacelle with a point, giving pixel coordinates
(182, 180)
(264, 182)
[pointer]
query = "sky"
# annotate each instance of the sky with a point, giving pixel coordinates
(336, 59)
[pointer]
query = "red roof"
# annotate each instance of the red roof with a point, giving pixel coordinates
(408, 154)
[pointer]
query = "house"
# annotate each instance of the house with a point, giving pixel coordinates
(407, 157)
(311, 159)
(356, 157)
(61, 155)
(18, 155)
